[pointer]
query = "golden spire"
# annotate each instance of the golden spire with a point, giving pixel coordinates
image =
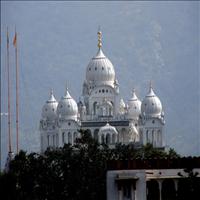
(99, 38)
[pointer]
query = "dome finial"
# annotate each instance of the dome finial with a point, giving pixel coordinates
(150, 85)
(51, 91)
(66, 86)
(99, 33)
(66, 89)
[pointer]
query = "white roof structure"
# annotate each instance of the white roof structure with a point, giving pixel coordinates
(67, 107)
(107, 129)
(50, 108)
(100, 70)
(151, 105)
(134, 106)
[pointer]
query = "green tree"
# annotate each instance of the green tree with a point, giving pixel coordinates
(71, 172)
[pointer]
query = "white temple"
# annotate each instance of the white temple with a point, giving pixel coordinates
(102, 112)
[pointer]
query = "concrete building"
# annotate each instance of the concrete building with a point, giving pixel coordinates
(153, 183)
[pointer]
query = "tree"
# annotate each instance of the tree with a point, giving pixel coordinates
(71, 172)
(189, 184)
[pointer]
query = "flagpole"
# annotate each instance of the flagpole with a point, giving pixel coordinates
(17, 92)
(9, 96)
(0, 109)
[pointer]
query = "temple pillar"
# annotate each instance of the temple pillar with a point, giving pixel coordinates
(132, 192)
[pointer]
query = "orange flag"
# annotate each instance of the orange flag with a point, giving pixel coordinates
(15, 40)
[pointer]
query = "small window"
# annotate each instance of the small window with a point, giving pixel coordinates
(106, 91)
(152, 104)
(89, 69)
(135, 125)
(68, 106)
(69, 123)
(61, 106)
(153, 121)
(95, 68)
(102, 68)
(103, 90)
(99, 91)
(135, 107)
(53, 109)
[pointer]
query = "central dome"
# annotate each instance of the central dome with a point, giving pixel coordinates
(100, 70)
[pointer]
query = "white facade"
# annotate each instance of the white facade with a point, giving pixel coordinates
(102, 111)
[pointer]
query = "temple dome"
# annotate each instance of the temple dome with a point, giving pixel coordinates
(50, 108)
(67, 107)
(100, 70)
(151, 105)
(134, 107)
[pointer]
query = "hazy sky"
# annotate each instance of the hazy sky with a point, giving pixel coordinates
(145, 41)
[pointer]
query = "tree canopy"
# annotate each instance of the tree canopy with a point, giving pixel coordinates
(71, 172)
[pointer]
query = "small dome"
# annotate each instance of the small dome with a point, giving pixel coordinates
(151, 105)
(134, 107)
(100, 70)
(107, 129)
(67, 107)
(50, 108)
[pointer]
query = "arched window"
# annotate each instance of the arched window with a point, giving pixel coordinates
(95, 107)
(152, 137)
(75, 136)
(102, 139)
(159, 137)
(69, 138)
(168, 189)
(63, 138)
(57, 140)
(96, 131)
(108, 139)
(123, 135)
(153, 190)
(53, 140)
(48, 140)
(114, 138)
(89, 132)
(147, 136)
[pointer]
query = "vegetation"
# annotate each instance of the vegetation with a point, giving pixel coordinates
(72, 172)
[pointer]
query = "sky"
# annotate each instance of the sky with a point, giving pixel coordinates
(145, 41)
